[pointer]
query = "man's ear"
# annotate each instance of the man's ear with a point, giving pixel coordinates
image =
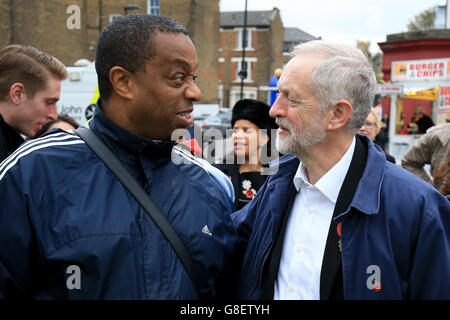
(17, 93)
(122, 82)
(340, 114)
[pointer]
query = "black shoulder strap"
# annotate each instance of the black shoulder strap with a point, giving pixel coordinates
(113, 163)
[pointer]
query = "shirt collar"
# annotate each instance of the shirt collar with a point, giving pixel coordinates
(331, 182)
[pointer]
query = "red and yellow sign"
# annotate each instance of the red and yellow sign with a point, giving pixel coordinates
(443, 111)
(421, 70)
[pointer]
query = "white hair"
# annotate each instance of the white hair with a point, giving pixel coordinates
(345, 73)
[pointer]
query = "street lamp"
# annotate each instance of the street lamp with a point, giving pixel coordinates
(243, 72)
(131, 7)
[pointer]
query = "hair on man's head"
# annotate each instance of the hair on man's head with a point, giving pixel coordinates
(29, 66)
(128, 42)
(61, 118)
(344, 73)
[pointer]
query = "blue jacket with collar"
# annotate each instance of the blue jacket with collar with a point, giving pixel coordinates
(69, 229)
(396, 230)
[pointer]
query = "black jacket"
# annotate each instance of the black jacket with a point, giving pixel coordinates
(10, 139)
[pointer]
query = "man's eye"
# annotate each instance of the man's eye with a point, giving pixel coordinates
(182, 78)
(292, 101)
(179, 78)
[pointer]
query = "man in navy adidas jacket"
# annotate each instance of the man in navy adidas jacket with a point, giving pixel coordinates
(70, 230)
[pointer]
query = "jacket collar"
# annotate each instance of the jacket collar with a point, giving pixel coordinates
(280, 186)
(12, 137)
(126, 143)
(284, 168)
(367, 195)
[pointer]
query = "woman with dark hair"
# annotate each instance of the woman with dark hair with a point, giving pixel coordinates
(252, 149)
(441, 177)
(63, 122)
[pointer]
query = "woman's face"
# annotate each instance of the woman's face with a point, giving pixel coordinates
(246, 140)
(369, 128)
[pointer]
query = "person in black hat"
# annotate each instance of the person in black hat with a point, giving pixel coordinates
(252, 127)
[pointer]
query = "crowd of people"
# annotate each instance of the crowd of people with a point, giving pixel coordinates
(330, 217)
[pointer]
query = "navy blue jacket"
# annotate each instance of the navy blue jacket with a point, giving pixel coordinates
(10, 139)
(69, 229)
(396, 222)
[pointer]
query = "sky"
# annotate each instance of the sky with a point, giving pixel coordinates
(342, 20)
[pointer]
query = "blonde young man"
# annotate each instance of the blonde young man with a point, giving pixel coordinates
(30, 85)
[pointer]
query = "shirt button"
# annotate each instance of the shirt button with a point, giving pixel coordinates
(291, 288)
(299, 249)
(310, 211)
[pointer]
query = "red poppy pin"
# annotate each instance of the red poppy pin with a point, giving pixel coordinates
(249, 192)
(338, 229)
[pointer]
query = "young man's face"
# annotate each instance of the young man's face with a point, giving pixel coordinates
(35, 111)
(165, 93)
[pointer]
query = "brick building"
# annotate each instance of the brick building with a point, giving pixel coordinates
(417, 66)
(45, 25)
(263, 53)
(403, 51)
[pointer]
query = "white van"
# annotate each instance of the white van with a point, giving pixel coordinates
(78, 91)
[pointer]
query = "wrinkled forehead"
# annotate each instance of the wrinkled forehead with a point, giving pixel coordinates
(176, 49)
(299, 68)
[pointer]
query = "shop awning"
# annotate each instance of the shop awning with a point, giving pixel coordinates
(427, 94)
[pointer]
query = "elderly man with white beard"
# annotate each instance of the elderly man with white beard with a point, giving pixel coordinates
(337, 221)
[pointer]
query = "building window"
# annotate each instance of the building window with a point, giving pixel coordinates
(244, 39)
(114, 16)
(221, 68)
(248, 93)
(287, 47)
(249, 65)
(243, 66)
(153, 7)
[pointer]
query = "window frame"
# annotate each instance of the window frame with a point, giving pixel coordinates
(250, 61)
(151, 7)
(239, 34)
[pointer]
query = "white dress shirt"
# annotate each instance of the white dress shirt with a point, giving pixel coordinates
(307, 232)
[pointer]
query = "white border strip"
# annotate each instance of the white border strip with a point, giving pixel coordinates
(28, 151)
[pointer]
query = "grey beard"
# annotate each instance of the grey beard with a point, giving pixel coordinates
(299, 142)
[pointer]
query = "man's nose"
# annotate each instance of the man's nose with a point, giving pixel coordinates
(53, 114)
(277, 109)
(193, 92)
